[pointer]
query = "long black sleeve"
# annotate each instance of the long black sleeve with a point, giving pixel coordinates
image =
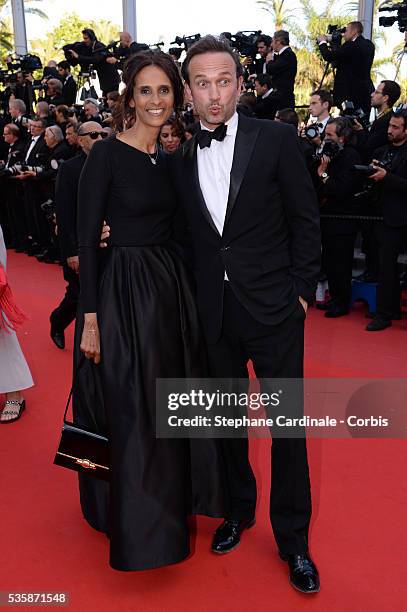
(92, 200)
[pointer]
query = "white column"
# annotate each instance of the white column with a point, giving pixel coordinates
(130, 17)
(365, 15)
(20, 34)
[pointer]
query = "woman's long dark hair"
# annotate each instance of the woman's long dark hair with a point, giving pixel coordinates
(132, 67)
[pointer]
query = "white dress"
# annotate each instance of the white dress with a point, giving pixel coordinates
(14, 372)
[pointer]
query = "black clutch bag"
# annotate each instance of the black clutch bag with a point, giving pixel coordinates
(81, 449)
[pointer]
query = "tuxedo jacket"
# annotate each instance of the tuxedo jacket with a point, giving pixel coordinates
(66, 201)
(353, 61)
(270, 245)
(368, 142)
(283, 70)
(39, 154)
(265, 107)
(15, 153)
(69, 90)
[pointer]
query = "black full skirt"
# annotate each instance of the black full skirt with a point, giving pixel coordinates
(149, 329)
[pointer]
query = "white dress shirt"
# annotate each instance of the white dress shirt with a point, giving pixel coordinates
(30, 148)
(214, 166)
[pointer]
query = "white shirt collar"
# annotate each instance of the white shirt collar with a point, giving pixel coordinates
(266, 95)
(283, 49)
(232, 125)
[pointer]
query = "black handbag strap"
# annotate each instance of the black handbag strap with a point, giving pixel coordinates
(74, 384)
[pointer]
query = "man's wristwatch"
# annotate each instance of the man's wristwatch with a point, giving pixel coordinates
(324, 177)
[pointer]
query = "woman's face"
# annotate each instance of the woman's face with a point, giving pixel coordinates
(169, 139)
(153, 97)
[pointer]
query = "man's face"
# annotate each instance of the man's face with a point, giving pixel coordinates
(71, 137)
(51, 91)
(14, 111)
(20, 78)
(260, 89)
(86, 142)
(397, 133)
(62, 72)
(263, 49)
(214, 87)
(350, 33)
(49, 138)
(90, 110)
(8, 136)
(36, 128)
(377, 96)
(125, 40)
(86, 40)
(317, 107)
(330, 134)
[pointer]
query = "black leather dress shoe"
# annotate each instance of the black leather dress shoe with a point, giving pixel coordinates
(58, 338)
(378, 324)
(335, 312)
(227, 535)
(303, 573)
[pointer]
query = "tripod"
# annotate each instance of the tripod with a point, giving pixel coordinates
(398, 65)
(85, 78)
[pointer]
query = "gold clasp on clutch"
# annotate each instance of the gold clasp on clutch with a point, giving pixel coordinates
(85, 463)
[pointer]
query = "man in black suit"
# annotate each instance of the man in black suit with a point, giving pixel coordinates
(93, 52)
(256, 242)
(392, 231)
(10, 211)
(69, 86)
(66, 200)
(126, 48)
(353, 62)
(265, 107)
(17, 111)
(54, 92)
(283, 70)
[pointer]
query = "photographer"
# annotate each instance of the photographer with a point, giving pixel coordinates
(91, 52)
(17, 110)
(24, 91)
(312, 135)
(54, 92)
(391, 233)
(264, 45)
(11, 213)
(265, 105)
(91, 110)
(124, 50)
(66, 200)
(337, 185)
(283, 70)
(69, 86)
(72, 138)
(383, 99)
(353, 62)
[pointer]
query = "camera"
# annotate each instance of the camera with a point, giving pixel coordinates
(348, 110)
(400, 18)
(370, 189)
(330, 149)
(312, 131)
(186, 41)
(334, 34)
(244, 42)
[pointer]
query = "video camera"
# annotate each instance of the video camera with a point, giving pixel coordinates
(330, 149)
(185, 42)
(370, 189)
(19, 63)
(334, 34)
(400, 18)
(244, 42)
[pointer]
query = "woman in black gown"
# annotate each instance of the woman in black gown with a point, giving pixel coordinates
(139, 323)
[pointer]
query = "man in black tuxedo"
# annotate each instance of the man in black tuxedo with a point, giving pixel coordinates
(256, 242)
(17, 111)
(66, 201)
(265, 107)
(392, 231)
(353, 62)
(125, 49)
(69, 86)
(9, 208)
(283, 70)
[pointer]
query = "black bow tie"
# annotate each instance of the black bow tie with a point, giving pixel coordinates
(205, 137)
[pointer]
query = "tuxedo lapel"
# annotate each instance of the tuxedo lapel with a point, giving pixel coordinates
(191, 163)
(245, 141)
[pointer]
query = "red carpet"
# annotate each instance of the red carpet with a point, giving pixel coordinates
(358, 534)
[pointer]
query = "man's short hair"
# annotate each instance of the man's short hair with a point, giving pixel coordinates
(393, 90)
(401, 114)
(13, 129)
(357, 25)
(343, 127)
(43, 122)
(265, 79)
(43, 106)
(283, 36)
(324, 95)
(64, 65)
(210, 44)
(20, 104)
(74, 126)
(264, 38)
(57, 84)
(56, 132)
(92, 101)
(288, 115)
